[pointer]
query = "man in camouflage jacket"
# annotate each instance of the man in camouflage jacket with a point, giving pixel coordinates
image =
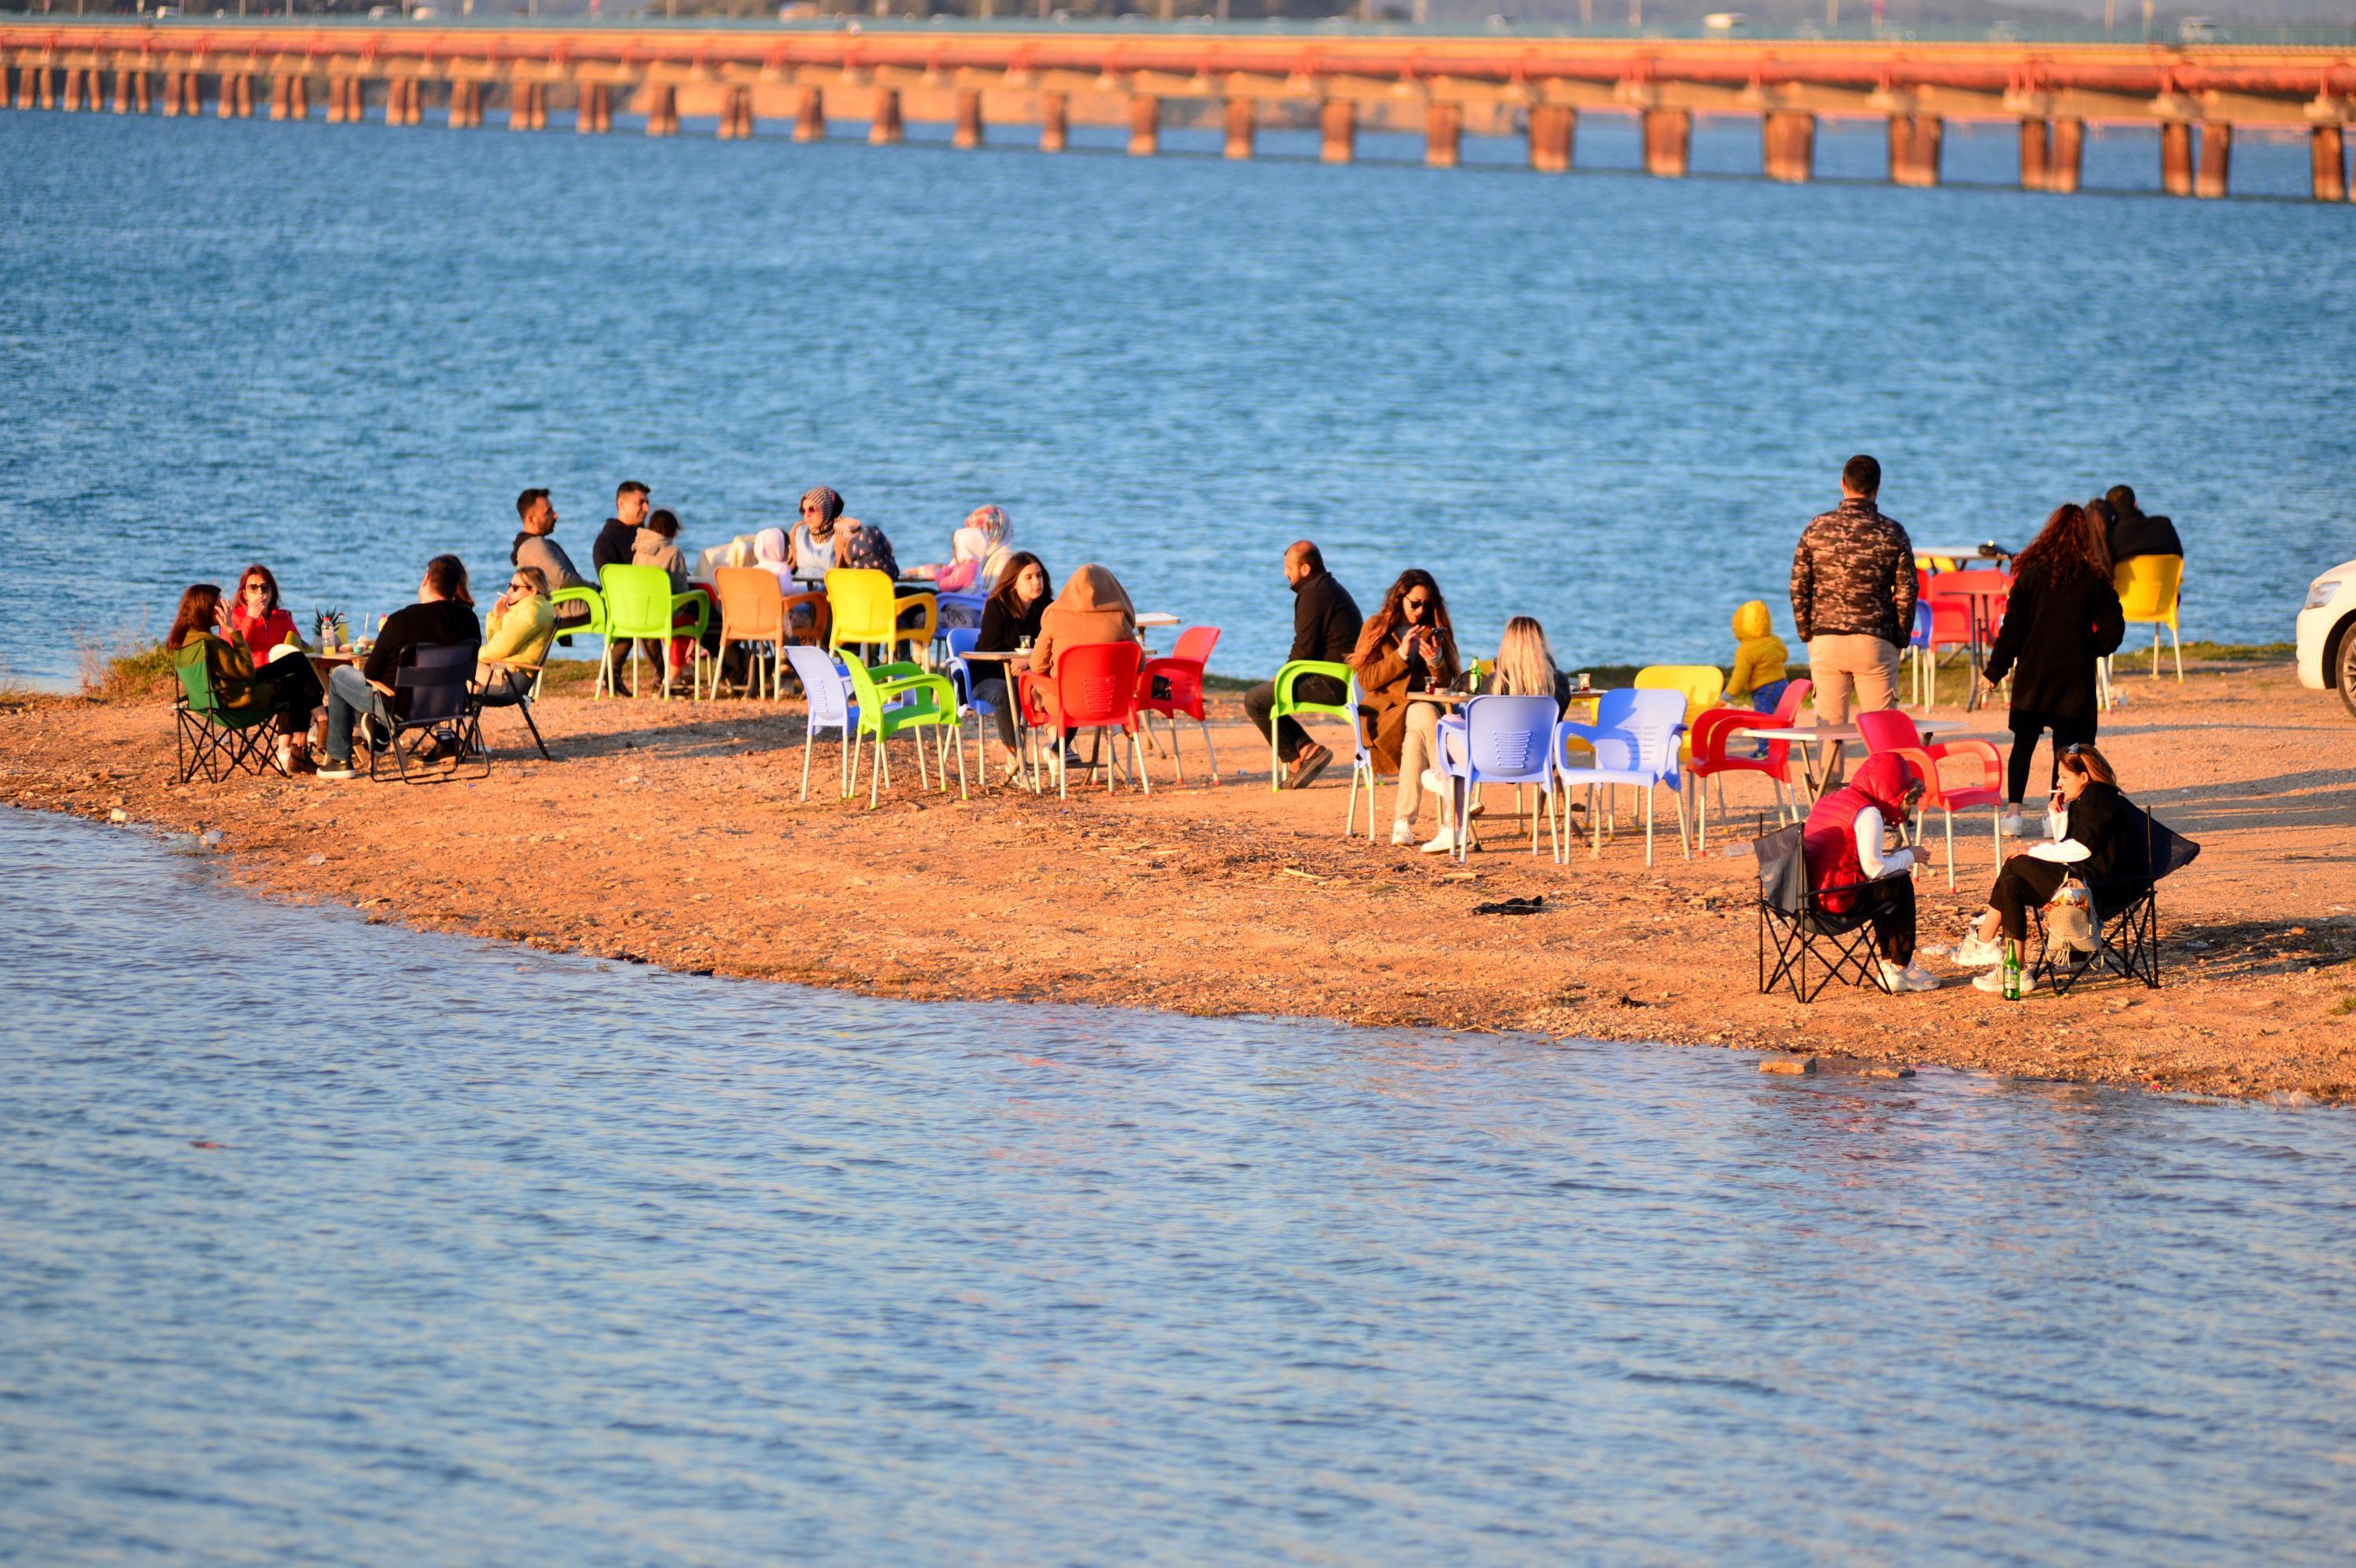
(1853, 604)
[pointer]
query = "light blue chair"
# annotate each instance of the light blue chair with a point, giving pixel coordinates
(960, 640)
(1501, 740)
(1634, 737)
(828, 686)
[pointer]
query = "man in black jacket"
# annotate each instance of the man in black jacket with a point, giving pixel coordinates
(619, 537)
(2131, 533)
(443, 616)
(1325, 623)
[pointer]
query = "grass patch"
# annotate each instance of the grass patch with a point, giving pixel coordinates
(128, 669)
(2346, 1004)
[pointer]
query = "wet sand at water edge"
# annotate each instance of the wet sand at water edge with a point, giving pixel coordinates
(671, 834)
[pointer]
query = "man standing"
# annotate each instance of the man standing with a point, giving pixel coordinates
(1325, 622)
(619, 537)
(535, 546)
(1853, 602)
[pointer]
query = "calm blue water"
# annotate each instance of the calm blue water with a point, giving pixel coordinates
(513, 1258)
(1609, 401)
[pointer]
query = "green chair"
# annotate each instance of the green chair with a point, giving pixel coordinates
(641, 607)
(219, 739)
(595, 626)
(1288, 707)
(902, 699)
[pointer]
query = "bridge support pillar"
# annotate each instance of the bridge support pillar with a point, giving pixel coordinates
(1144, 125)
(178, 98)
(884, 128)
(1339, 122)
(736, 115)
(1790, 145)
(1553, 127)
(2036, 156)
(810, 115)
(662, 110)
(1443, 135)
(73, 104)
(398, 109)
(2066, 158)
(2175, 158)
(969, 132)
(122, 91)
(298, 97)
(49, 85)
(1242, 127)
(593, 112)
(1055, 121)
(1669, 142)
(245, 96)
(464, 105)
(2328, 163)
(26, 86)
(339, 99)
(2215, 173)
(1914, 144)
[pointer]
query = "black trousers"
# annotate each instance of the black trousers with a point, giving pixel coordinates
(1889, 903)
(2026, 728)
(2025, 883)
(294, 691)
(1260, 701)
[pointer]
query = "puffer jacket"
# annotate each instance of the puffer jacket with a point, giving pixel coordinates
(1853, 575)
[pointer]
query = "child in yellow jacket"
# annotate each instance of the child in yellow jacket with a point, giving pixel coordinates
(1759, 658)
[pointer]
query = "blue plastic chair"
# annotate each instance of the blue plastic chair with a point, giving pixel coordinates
(960, 641)
(961, 611)
(828, 686)
(1502, 739)
(1923, 660)
(1634, 737)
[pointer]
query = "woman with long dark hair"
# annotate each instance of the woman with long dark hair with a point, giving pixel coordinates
(1407, 645)
(2096, 834)
(1010, 619)
(205, 629)
(2062, 617)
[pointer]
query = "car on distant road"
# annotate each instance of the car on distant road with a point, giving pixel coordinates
(2327, 634)
(2200, 30)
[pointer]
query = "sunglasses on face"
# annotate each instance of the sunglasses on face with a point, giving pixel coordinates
(256, 587)
(522, 587)
(1414, 605)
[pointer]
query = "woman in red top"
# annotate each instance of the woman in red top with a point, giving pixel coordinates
(257, 615)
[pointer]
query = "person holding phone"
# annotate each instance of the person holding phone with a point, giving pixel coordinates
(1406, 646)
(2097, 834)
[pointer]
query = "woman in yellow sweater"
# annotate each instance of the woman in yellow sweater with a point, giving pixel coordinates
(518, 631)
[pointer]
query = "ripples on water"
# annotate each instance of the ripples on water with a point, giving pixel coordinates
(509, 1257)
(1610, 402)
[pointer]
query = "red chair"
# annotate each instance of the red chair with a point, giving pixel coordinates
(1183, 670)
(1094, 687)
(1710, 735)
(1950, 627)
(1892, 731)
(1978, 597)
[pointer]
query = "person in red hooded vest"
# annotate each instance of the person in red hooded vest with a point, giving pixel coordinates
(1843, 841)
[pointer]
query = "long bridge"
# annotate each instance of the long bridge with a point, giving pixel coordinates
(978, 78)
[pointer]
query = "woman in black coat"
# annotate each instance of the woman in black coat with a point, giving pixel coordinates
(2061, 616)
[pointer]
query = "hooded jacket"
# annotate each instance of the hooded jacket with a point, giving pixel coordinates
(652, 549)
(1829, 839)
(1760, 657)
(1092, 608)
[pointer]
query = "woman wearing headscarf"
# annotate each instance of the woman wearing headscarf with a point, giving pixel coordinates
(862, 547)
(974, 551)
(810, 550)
(769, 555)
(1842, 843)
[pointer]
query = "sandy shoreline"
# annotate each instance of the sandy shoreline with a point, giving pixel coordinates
(671, 834)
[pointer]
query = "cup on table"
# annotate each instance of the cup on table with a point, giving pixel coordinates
(1582, 680)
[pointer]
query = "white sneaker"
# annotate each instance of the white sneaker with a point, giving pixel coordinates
(1913, 978)
(1972, 953)
(1434, 782)
(1443, 844)
(1402, 833)
(2012, 824)
(1992, 982)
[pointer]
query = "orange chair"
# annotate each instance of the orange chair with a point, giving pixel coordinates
(1182, 671)
(752, 611)
(1094, 687)
(1891, 730)
(1713, 730)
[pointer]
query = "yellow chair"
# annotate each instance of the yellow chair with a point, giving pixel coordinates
(1702, 684)
(863, 613)
(2148, 589)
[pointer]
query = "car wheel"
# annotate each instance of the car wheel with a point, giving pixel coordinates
(2348, 669)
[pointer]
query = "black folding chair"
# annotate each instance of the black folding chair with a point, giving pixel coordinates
(514, 686)
(2124, 913)
(1793, 924)
(433, 695)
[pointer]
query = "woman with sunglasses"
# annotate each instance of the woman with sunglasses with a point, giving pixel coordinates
(1406, 646)
(257, 615)
(809, 545)
(2097, 834)
(518, 631)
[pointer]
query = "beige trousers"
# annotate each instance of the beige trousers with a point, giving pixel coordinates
(1852, 674)
(1418, 751)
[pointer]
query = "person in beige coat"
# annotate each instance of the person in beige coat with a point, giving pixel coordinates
(1408, 645)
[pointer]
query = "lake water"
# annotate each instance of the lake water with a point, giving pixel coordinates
(1609, 401)
(506, 1257)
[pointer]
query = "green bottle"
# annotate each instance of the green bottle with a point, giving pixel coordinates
(2012, 971)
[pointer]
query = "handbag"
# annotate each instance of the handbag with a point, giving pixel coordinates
(2070, 919)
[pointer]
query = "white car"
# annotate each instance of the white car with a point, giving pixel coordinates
(2326, 634)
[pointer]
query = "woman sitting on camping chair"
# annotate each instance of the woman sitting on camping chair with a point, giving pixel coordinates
(2098, 836)
(1852, 874)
